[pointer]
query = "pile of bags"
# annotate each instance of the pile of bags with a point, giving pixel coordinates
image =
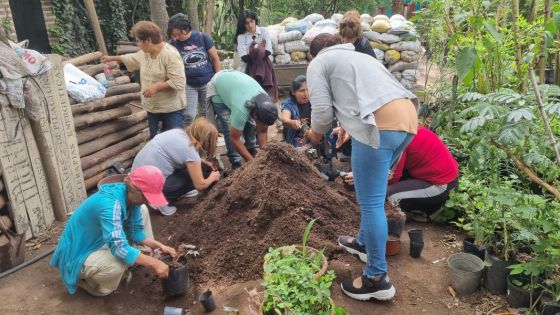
(396, 45)
(394, 41)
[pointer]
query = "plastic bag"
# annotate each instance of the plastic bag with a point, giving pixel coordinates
(409, 56)
(380, 46)
(337, 17)
(389, 38)
(301, 26)
(278, 49)
(288, 20)
(282, 59)
(81, 86)
(381, 26)
(371, 35)
(381, 17)
(36, 63)
(325, 23)
(379, 54)
(401, 66)
(298, 56)
(297, 45)
(397, 75)
(392, 56)
(411, 46)
(411, 74)
(289, 36)
(366, 18)
(314, 31)
(314, 18)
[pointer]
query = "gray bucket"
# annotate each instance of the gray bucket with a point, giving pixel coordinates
(465, 271)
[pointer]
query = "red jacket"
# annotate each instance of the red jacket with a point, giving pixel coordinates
(427, 158)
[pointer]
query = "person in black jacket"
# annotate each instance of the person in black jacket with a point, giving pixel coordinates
(350, 30)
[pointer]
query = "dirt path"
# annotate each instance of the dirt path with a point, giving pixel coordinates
(421, 287)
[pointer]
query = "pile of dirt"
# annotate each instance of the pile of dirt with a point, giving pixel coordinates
(266, 203)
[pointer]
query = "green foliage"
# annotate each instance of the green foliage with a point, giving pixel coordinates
(73, 26)
(290, 285)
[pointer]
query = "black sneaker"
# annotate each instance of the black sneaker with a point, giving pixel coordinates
(353, 247)
(235, 165)
(381, 289)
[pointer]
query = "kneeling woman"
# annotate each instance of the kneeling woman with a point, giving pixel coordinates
(177, 153)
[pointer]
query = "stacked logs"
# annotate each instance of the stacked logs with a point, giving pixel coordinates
(108, 130)
(124, 47)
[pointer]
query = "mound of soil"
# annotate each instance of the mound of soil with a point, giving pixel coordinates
(266, 203)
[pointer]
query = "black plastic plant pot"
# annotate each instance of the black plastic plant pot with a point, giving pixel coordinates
(416, 249)
(416, 236)
(550, 308)
(519, 297)
(495, 279)
(549, 76)
(470, 248)
(396, 226)
(207, 301)
(177, 281)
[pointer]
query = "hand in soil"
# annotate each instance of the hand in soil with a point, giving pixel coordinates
(349, 179)
(214, 176)
(168, 250)
(161, 269)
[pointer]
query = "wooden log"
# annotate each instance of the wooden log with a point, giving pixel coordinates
(110, 127)
(84, 59)
(121, 157)
(117, 73)
(103, 104)
(6, 221)
(107, 140)
(122, 89)
(84, 67)
(84, 121)
(92, 14)
(95, 69)
(119, 81)
(127, 49)
(126, 42)
(106, 153)
(92, 181)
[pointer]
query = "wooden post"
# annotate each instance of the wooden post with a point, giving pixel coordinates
(210, 8)
(90, 7)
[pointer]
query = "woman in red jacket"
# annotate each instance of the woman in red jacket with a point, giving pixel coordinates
(424, 176)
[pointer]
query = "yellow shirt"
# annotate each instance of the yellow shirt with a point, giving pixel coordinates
(166, 67)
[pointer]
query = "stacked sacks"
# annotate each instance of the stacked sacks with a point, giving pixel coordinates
(396, 44)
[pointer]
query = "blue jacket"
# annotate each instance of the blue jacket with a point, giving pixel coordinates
(102, 219)
(290, 134)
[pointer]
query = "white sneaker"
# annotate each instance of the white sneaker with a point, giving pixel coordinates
(190, 194)
(167, 210)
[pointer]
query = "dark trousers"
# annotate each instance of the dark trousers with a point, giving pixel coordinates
(168, 121)
(416, 194)
(180, 183)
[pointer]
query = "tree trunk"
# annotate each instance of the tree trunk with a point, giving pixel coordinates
(84, 121)
(397, 7)
(113, 150)
(542, 61)
(103, 104)
(158, 15)
(122, 89)
(210, 8)
(517, 44)
(84, 59)
(93, 146)
(110, 127)
(192, 12)
(121, 157)
(90, 7)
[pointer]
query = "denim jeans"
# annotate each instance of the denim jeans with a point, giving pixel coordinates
(169, 121)
(196, 98)
(223, 115)
(180, 182)
(370, 168)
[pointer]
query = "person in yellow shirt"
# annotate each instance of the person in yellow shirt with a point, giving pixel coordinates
(162, 77)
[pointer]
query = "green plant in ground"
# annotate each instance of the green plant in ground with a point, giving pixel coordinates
(290, 284)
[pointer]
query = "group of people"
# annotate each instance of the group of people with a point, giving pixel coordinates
(392, 157)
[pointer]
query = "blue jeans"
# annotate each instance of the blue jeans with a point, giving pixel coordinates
(370, 168)
(196, 98)
(168, 121)
(223, 115)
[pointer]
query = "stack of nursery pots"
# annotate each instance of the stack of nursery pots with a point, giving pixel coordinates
(394, 41)
(395, 224)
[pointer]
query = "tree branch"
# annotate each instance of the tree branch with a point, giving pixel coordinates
(521, 165)
(544, 116)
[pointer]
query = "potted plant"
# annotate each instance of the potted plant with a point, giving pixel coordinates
(395, 218)
(177, 281)
(296, 281)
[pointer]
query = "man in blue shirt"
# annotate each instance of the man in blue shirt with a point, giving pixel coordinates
(94, 250)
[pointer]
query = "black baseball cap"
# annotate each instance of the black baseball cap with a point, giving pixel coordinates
(267, 112)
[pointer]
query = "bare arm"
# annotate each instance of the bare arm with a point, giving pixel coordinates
(215, 59)
(106, 59)
(287, 121)
(262, 133)
(159, 267)
(195, 172)
(235, 137)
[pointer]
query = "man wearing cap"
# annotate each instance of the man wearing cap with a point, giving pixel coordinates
(241, 107)
(94, 250)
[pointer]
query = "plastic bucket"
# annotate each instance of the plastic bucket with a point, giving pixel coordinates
(465, 271)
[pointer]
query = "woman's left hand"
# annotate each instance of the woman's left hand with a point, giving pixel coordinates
(168, 250)
(149, 91)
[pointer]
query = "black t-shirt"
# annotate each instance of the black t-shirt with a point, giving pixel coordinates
(362, 45)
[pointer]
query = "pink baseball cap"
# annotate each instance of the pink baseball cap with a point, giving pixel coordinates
(149, 180)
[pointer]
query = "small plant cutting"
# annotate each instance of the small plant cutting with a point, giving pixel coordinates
(296, 281)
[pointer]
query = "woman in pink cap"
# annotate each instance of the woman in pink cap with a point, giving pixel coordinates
(94, 251)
